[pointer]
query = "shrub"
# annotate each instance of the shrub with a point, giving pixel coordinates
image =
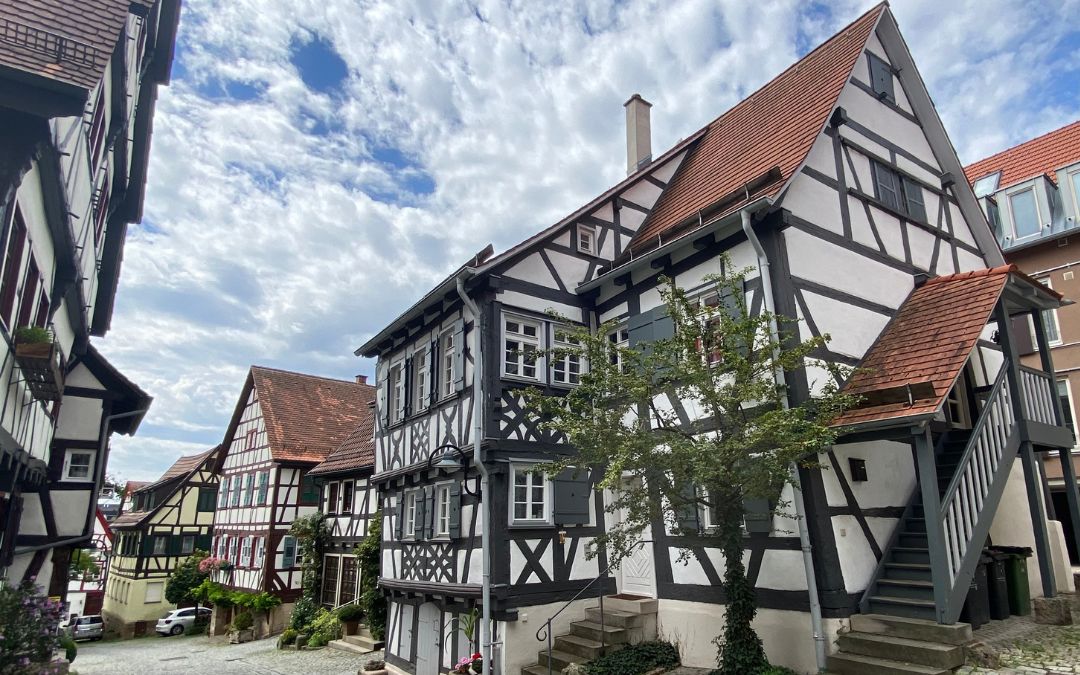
(369, 558)
(769, 670)
(32, 335)
(69, 647)
(28, 633)
(351, 612)
(324, 628)
(303, 613)
(287, 637)
(635, 659)
(242, 621)
(185, 579)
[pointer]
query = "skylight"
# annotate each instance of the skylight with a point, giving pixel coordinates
(987, 184)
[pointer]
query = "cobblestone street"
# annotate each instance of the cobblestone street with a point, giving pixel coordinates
(210, 655)
(1028, 648)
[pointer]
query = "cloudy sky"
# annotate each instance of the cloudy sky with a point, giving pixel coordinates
(318, 164)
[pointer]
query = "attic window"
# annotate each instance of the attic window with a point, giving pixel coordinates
(586, 239)
(987, 184)
(881, 78)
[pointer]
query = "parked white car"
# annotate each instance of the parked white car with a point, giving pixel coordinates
(180, 620)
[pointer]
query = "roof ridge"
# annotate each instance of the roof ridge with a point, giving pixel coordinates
(309, 375)
(969, 274)
(1020, 146)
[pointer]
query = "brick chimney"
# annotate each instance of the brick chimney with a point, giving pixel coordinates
(638, 133)
(361, 379)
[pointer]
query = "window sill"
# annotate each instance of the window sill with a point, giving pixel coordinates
(522, 378)
(531, 524)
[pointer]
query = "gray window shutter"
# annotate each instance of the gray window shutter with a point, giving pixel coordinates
(408, 375)
(459, 355)
(663, 325)
(399, 516)
(687, 510)
(384, 385)
(429, 512)
(913, 198)
(639, 328)
(881, 78)
(757, 515)
(433, 372)
(1021, 335)
(571, 497)
(886, 185)
(455, 510)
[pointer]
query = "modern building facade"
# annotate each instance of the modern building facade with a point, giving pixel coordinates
(836, 184)
(172, 518)
(77, 92)
(1031, 196)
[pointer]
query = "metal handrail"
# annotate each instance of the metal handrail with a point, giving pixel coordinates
(546, 628)
(45, 42)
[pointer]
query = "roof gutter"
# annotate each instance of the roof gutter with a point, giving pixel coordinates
(708, 227)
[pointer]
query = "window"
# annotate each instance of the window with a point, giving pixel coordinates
(260, 553)
(1074, 177)
(710, 346)
(586, 239)
(993, 215)
(13, 260)
(619, 340)
(187, 544)
(442, 511)
(223, 492)
(101, 209)
(288, 557)
(233, 541)
(898, 192)
(397, 393)
(332, 498)
(1066, 404)
(409, 528)
(250, 440)
(264, 484)
(420, 383)
(161, 543)
(236, 489)
(1050, 323)
(347, 490)
(207, 497)
(331, 570)
(987, 185)
(348, 579)
(249, 488)
(79, 465)
(881, 78)
(309, 492)
(566, 365)
(446, 352)
(529, 499)
(1025, 213)
(96, 137)
(153, 591)
(245, 553)
(215, 549)
(522, 342)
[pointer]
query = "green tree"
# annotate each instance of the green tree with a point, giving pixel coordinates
(180, 588)
(724, 363)
(372, 600)
(82, 564)
(312, 536)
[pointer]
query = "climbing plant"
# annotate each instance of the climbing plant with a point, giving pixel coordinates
(369, 558)
(312, 537)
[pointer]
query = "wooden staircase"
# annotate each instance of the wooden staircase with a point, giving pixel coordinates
(624, 621)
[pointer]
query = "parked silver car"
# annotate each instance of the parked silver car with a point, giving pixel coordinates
(180, 620)
(87, 627)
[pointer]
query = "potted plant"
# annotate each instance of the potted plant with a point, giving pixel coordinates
(377, 667)
(240, 630)
(467, 664)
(38, 357)
(350, 616)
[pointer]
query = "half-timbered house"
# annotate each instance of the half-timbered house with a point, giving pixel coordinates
(837, 185)
(77, 103)
(349, 501)
(283, 426)
(171, 518)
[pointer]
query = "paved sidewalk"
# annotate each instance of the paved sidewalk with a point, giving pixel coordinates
(150, 655)
(1028, 648)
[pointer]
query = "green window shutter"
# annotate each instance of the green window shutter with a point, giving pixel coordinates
(757, 515)
(174, 544)
(686, 511)
(203, 541)
(455, 510)
(147, 544)
(571, 497)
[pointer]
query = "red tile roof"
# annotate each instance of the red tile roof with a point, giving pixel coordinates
(1042, 155)
(773, 127)
(91, 28)
(307, 416)
(926, 345)
(181, 468)
(356, 452)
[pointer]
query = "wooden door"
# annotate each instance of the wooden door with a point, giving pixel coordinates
(637, 573)
(428, 642)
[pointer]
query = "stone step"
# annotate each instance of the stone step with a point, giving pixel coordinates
(913, 571)
(586, 648)
(857, 664)
(912, 629)
(902, 649)
(634, 604)
(559, 659)
(908, 607)
(365, 641)
(615, 617)
(344, 646)
(536, 669)
(594, 631)
(906, 588)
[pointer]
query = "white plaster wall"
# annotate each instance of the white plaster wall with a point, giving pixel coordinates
(643, 193)
(80, 418)
(1012, 524)
(889, 467)
(665, 172)
(520, 645)
(852, 329)
(808, 196)
(70, 507)
(855, 274)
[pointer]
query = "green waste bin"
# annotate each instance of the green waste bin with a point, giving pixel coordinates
(1016, 575)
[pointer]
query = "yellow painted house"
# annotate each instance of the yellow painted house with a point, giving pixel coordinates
(172, 517)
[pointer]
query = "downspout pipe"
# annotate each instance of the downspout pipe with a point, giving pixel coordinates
(478, 432)
(796, 483)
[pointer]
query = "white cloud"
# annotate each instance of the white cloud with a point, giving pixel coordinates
(282, 229)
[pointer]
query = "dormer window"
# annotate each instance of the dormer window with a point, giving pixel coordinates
(586, 239)
(1025, 213)
(987, 185)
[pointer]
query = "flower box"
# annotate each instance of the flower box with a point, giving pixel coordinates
(241, 636)
(41, 369)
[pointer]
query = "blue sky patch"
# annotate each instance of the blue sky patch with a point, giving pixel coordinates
(320, 66)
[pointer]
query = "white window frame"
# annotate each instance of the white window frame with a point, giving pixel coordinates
(447, 354)
(285, 541)
(421, 380)
(441, 517)
(525, 341)
(565, 359)
(533, 480)
(621, 339)
(1072, 177)
(398, 395)
(185, 539)
(245, 551)
(69, 464)
(260, 553)
(159, 588)
(233, 546)
(586, 239)
(237, 488)
(163, 540)
(1053, 313)
(408, 513)
(1012, 213)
